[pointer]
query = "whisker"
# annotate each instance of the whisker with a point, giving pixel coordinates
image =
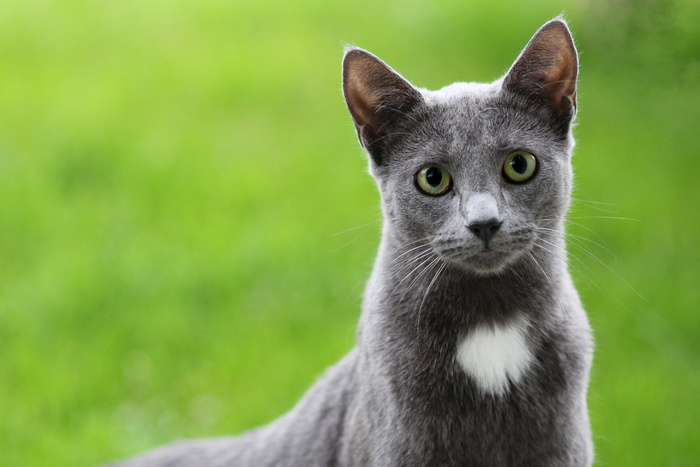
(594, 205)
(512, 269)
(411, 260)
(414, 281)
(572, 241)
(348, 243)
(594, 283)
(351, 293)
(425, 295)
(409, 250)
(605, 217)
(422, 257)
(573, 237)
(532, 257)
(577, 270)
(602, 240)
(593, 202)
(424, 261)
(355, 228)
(589, 253)
(575, 241)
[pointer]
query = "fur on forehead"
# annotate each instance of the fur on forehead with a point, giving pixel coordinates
(466, 117)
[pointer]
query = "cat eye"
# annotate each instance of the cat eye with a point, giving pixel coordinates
(433, 180)
(519, 167)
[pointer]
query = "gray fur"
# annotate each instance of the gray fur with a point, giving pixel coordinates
(400, 398)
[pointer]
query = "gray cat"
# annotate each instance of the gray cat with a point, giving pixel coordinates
(473, 348)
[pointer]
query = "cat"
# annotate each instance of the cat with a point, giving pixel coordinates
(473, 348)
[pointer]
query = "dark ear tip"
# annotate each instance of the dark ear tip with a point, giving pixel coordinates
(351, 49)
(557, 24)
(353, 53)
(558, 21)
(557, 32)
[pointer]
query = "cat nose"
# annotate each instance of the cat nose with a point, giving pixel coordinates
(485, 230)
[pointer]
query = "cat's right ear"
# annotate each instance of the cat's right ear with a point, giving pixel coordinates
(377, 97)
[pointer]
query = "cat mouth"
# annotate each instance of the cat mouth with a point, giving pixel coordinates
(480, 258)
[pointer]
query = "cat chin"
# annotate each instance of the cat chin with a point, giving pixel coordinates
(487, 262)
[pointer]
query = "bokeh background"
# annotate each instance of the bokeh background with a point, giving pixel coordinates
(186, 220)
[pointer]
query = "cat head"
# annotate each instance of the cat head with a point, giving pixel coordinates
(479, 172)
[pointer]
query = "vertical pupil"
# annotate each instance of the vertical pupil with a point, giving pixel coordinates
(519, 164)
(433, 176)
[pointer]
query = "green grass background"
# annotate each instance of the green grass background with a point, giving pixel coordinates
(177, 181)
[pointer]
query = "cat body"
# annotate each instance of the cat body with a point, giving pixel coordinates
(473, 347)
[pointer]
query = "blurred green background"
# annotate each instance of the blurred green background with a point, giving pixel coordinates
(178, 181)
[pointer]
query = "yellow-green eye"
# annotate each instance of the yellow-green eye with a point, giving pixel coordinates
(433, 180)
(519, 167)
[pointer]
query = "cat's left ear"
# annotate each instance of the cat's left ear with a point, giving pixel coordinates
(547, 69)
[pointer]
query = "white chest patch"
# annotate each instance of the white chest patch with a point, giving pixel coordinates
(492, 355)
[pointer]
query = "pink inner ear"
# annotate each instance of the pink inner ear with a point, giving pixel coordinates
(562, 76)
(361, 101)
(562, 71)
